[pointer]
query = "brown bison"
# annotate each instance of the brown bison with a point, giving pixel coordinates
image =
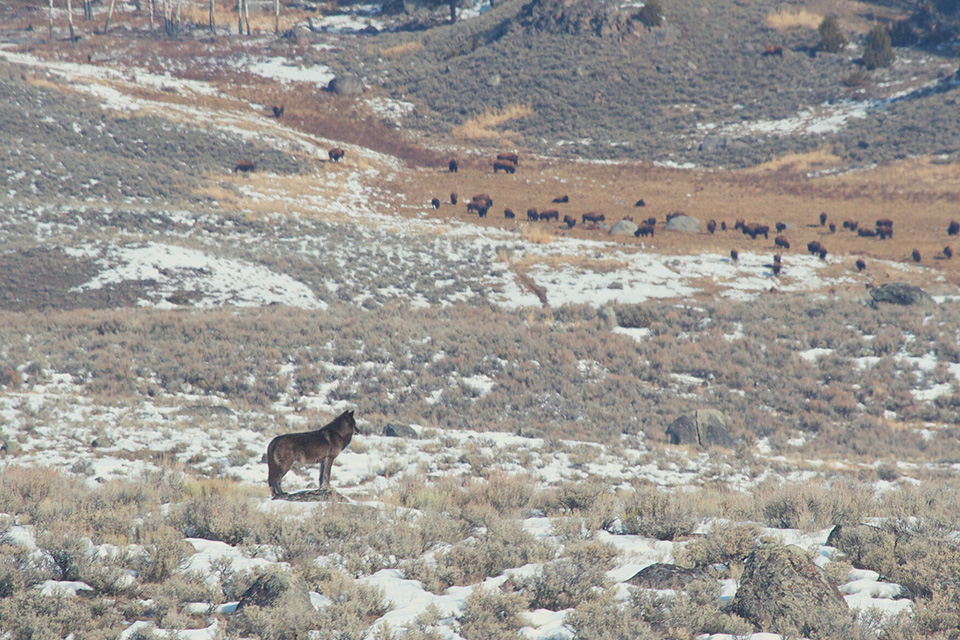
(777, 258)
(552, 214)
(753, 230)
(640, 203)
(781, 227)
(652, 221)
(453, 198)
(508, 213)
(644, 230)
(954, 228)
(436, 203)
(453, 166)
(482, 197)
(592, 217)
(782, 242)
(478, 207)
(776, 268)
(885, 222)
(947, 252)
(861, 265)
(570, 221)
(561, 200)
(851, 224)
(867, 233)
(723, 225)
(833, 228)
(885, 232)
(739, 224)
(509, 157)
(503, 165)
(277, 111)
(532, 214)
(711, 226)
(915, 255)
(823, 253)
(246, 166)
(814, 247)
(773, 50)
(734, 255)
(823, 218)
(335, 154)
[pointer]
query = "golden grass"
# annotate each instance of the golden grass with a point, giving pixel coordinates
(784, 20)
(225, 14)
(799, 162)
(401, 49)
(538, 234)
(482, 127)
(600, 265)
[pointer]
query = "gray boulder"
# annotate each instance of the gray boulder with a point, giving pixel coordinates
(666, 576)
(683, 223)
(783, 592)
(393, 430)
(898, 293)
(623, 228)
(348, 85)
(703, 427)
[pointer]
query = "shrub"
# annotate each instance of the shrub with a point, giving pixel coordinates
(578, 576)
(877, 48)
(657, 514)
(492, 615)
(164, 550)
(725, 543)
(832, 39)
(604, 618)
(651, 14)
(902, 34)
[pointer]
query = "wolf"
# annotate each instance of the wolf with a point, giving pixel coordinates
(323, 445)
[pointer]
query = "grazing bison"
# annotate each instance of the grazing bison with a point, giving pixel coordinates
(552, 214)
(823, 218)
(453, 166)
(436, 203)
(814, 247)
(954, 228)
(245, 166)
(592, 217)
(851, 224)
(723, 225)
(482, 197)
(861, 265)
(823, 253)
(508, 213)
(453, 198)
(476, 206)
(532, 214)
(335, 154)
(915, 255)
(711, 226)
(509, 157)
(885, 232)
(739, 224)
(885, 222)
(640, 203)
(773, 50)
(570, 221)
(777, 258)
(753, 230)
(781, 241)
(652, 221)
(734, 255)
(503, 165)
(644, 230)
(561, 200)
(277, 111)
(781, 227)
(947, 252)
(833, 228)
(867, 233)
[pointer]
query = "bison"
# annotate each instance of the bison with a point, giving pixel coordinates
(246, 166)
(532, 214)
(335, 154)
(753, 230)
(561, 200)
(833, 228)
(885, 222)
(773, 50)
(509, 157)
(814, 247)
(592, 217)
(954, 228)
(823, 253)
(823, 218)
(776, 268)
(867, 233)
(947, 252)
(552, 214)
(453, 166)
(723, 225)
(436, 203)
(915, 255)
(652, 221)
(851, 224)
(453, 198)
(508, 213)
(777, 258)
(570, 221)
(885, 232)
(503, 165)
(711, 226)
(782, 242)
(781, 227)
(478, 207)
(644, 230)
(734, 255)
(277, 111)
(861, 265)
(640, 203)
(482, 197)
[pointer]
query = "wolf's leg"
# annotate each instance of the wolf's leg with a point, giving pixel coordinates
(323, 466)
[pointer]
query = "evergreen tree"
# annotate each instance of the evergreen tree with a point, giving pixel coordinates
(831, 37)
(877, 50)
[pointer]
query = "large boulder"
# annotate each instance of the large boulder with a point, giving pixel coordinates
(782, 591)
(683, 223)
(898, 293)
(394, 430)
(623, 228)
(666, 576)
(703, 427)
(347, 85)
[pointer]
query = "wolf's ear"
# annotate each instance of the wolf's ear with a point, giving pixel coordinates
(351, 412)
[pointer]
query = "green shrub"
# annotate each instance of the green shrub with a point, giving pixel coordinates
(492, 615)
(651, 14)
(832, 39)
(877, 48)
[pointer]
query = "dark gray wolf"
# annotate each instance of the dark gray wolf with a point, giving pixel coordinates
(293, 449)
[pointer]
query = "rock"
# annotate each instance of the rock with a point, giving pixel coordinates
(393, 430)
(703, 427)
(531, 432)
(623, 228)
(899, 293)
(101, 441)
(607, 316)
(682, 223)
(782, 591)
(349, 85)
(712, 143)
(666, 576)
(278, 589)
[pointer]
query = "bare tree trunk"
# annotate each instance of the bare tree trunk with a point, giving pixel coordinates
(153, 10)
(178, 16)
(276, 16)
(51, 20)
(213, 20)
(73, 34)
(453, 10)
(246, 15)
(240, 17)
(109, 15)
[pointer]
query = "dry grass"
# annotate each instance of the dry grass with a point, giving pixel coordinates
(787, 19)
(599, 265)
(799, 162)
(482, 126)
(537, 234)
(402, 49)
(225, 14)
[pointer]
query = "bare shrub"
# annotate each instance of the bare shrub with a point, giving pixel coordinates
(581, 574)
(354, 606)
(657, 514)
(725, 544)
(695, 610)
(811, 505)
(218, 515)
(164, 550)
(492, 615)
(66, 551)
(605, 618)
(30, 614)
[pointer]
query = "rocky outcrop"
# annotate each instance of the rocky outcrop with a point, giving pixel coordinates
(703, 427)
(683, 223)
(394, 430)
(899, 293)
(623, 228)
(347, 85)
(666, 576)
